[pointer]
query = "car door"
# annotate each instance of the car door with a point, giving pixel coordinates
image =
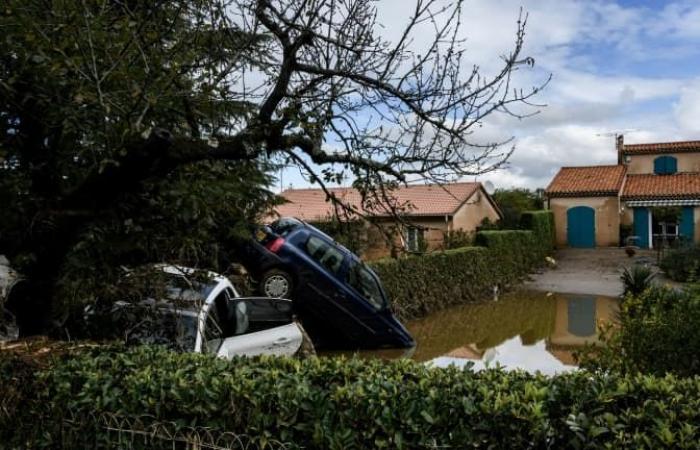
(325, 295)
(262, 326)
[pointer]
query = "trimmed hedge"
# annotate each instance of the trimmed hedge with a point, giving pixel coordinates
(419, 285)
(335, 403)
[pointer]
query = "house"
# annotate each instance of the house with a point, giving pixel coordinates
(652, 194)
(432, 211)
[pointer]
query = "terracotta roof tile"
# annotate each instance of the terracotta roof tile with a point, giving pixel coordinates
(661, 147)
(587, 181)
(662, 187)
(427, 200)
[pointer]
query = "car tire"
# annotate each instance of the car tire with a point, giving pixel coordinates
(276, 283)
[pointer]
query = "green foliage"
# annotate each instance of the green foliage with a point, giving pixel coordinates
(514, 202)
(666, 213)
(542, 225)
(657, 334)
(419, 285)
(80, 82)
(335, 403)
(456, 239)
(682, 263)
(637, 279)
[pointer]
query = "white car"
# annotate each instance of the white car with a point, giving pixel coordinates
(203, 312)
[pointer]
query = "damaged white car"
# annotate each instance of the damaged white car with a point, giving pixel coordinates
(206, 314)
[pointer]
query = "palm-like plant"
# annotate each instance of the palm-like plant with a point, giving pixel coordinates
(637, 279)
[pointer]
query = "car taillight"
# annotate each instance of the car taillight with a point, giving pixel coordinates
(275, 244)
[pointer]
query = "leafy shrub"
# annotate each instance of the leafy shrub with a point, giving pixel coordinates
(456, 239)
(657, 334)
(682, 263)
(419, 285)
(542, 225)
(637, 279)
(334, 403)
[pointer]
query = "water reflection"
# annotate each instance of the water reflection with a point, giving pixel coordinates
(529, 330)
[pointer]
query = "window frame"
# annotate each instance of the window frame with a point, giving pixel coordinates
(413, 244)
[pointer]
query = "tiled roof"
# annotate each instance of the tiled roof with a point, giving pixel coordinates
(425, 200)
(661, 147)
(662, 187)
(587, 181)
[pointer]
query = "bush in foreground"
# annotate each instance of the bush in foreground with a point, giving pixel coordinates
(657, 334)
(342, 404)
(682, 263)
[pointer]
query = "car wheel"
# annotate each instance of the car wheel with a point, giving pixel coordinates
(276, 283)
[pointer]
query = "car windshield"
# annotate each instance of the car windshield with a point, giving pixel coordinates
(364, 282)
(161, 324)
(180, 288)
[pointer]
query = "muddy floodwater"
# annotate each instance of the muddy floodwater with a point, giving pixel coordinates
(530, 330)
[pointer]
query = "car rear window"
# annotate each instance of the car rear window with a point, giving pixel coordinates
(328, 256)
(285, 225)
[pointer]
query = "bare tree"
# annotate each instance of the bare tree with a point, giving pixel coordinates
(334, 98)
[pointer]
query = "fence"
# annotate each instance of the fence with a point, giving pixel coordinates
(145, 432)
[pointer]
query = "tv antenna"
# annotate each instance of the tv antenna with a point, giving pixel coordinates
(616, 133)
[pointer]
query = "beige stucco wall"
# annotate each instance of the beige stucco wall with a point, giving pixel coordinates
(687, 162)
(607, 218)
(467, 218)
(473, 212)
(378, 247)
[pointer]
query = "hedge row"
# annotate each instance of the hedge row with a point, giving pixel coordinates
(419, 285)
(334, 403)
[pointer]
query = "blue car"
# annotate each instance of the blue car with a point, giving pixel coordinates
(338, 298)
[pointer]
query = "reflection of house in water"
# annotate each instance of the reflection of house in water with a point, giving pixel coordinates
(577, 321)
(466, 352)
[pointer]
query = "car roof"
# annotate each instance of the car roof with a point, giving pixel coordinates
(182, 270)
(323, 234)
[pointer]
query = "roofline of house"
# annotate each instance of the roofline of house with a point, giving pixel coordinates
(569, 194)
(480, 187)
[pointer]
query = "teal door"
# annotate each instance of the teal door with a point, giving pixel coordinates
(641, 226)
(687, 226)
(580, 231)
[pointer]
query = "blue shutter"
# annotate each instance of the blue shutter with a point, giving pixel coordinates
(665, 165)
(641, 226)
(687, 226)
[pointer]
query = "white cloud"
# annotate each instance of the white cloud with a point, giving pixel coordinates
(608, 76)
(687, 109)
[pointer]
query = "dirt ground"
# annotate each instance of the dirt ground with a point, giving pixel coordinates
(591, 271)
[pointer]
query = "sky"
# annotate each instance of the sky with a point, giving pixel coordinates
(617, 66)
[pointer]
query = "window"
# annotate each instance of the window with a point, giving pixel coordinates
(285, 225)
(328, 256)
(414, 239)
(362, 280)
(665, 165)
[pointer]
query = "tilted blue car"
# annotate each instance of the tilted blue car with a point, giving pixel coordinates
(338, 298)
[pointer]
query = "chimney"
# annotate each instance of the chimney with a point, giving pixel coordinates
(620, 145)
